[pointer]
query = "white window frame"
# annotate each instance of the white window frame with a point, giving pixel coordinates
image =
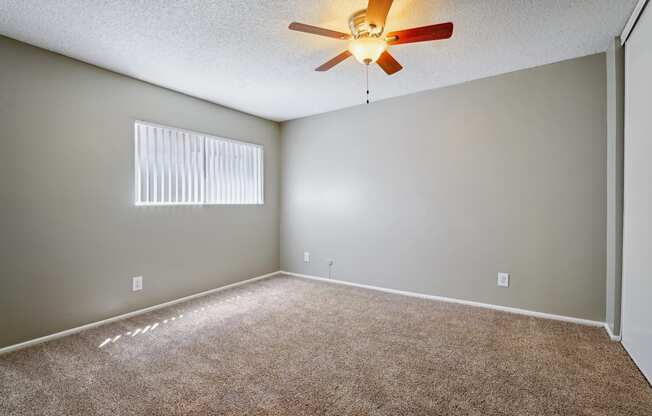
(205, 140)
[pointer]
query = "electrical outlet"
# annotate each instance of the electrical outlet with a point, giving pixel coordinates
(503, 279)
(137, 283)
(306, 257)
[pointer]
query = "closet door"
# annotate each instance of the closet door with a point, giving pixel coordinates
(637, 220)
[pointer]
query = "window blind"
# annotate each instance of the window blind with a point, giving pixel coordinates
(181, 167)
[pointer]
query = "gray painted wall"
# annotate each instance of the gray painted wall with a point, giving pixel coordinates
(437, 192)
(615, 151)
(71, 236)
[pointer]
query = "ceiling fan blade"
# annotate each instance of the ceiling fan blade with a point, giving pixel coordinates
(328, 65)
(388, 63)
(377, 12)
(421, 34)
(301, 27)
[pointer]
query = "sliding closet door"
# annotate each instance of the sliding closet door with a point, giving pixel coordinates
(637, 221)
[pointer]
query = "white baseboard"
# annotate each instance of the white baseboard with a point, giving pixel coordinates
(460, 301)
(71, 331)
(611, 334)
(81, 328)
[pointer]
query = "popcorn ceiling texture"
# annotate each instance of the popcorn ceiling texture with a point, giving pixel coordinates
(289, 346)
(240, 53)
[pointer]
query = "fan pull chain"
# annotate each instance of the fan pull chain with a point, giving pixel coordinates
(367, 73)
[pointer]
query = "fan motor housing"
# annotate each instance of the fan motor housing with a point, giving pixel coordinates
(360, 28)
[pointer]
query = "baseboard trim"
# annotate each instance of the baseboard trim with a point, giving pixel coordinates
(611, 334)
(508, 309)
(81, 328)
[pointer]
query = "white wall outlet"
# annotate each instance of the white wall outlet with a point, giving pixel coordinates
(503, 279)
(137, 283)
(306, 257)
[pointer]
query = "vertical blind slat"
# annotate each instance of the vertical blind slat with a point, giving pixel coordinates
(152, 146)
(160, 142)
(145, 147)
(229, 176)
(168, 148)
(221, 171)
(193, 165)
(193, 173)
(248, 178)
(242, 159)
(202, 168)
(196, 171)
(137, 169)
(208, 166)
(254, 188)
(214, 171)
(182, 166)
(159, 165)
(195, 168)
(186, 167)
(175, 145)
(261, 170)
(239, 174)
(198, 163)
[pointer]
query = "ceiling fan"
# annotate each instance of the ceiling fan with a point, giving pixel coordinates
(366, 41)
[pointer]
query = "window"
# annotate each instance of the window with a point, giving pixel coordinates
(180, 167)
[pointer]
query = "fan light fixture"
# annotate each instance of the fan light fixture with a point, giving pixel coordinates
(368, 41)
(368, 44)
(367, 49)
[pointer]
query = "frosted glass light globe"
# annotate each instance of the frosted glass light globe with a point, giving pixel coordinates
(367, 50)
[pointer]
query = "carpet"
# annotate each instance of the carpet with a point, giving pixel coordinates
(292, 346)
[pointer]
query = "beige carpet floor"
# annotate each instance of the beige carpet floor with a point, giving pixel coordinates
(289, 346)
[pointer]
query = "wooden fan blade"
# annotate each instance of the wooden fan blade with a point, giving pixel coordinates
(377, 12)
(388, 63)
(421, 34)
(301, 27)
(328, 65)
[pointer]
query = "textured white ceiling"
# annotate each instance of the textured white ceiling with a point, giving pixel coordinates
(239, 53)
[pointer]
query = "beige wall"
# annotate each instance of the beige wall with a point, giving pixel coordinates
(434, 192)
(71, 237)
(437, 192)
